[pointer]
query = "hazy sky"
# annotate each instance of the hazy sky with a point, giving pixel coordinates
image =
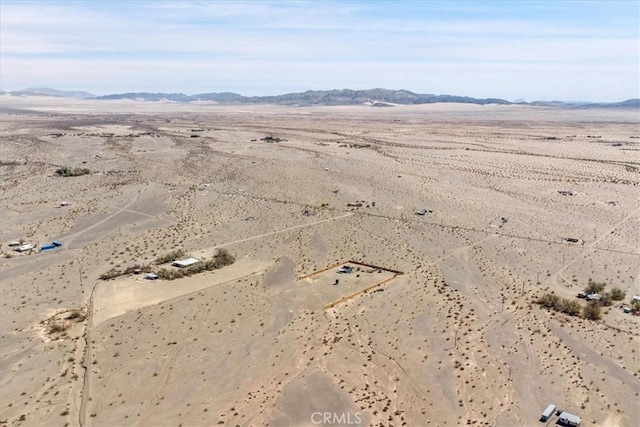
(574, 50)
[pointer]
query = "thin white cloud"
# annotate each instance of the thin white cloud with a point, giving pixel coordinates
(178, 45)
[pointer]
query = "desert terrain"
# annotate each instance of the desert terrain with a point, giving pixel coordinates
(437, 325)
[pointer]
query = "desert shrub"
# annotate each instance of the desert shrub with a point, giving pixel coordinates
(111, 274)
(595, 287)
(57, 327)
(617, 294)
(168, 257)
(114, 272)
(223, 258)
(564, 305)
(143, 268)
(592, 311)
(209, 265)
(167, 274)
(549, 301)
(606, 300)
(570, 307)
(67, 171)
(635, 307)
(76, 315)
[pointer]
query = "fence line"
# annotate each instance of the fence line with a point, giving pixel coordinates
(362, 291)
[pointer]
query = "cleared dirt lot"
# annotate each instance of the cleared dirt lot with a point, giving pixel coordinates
(457, 339)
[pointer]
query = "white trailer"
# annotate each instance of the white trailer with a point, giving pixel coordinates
(548, 412)
(568, 419)
(25, 247)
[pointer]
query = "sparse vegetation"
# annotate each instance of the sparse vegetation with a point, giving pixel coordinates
(111, 274)
(570, 307)
(564, 305)
(592, 311)
(617, 294)
(549, 300)
(606, 300)
(77, 315)
(57, 327)
(170, 256)
(271, 139)
(67, 171)
(221, 259)
(595, 287)
(114, 272)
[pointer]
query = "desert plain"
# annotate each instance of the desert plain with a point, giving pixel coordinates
(437, 325)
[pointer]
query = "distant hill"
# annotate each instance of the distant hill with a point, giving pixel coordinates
(45, 91)
(373, 97)
(314, 97)
(629, 103)
(633, 103)
(145, 96)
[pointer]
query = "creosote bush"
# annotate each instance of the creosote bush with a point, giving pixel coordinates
(221, 259)
(617, 294)
(67, 171)
(114, 272)
(168, 257)
(595, 287)
(592, 311)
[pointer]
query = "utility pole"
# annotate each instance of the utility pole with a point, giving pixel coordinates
(455, 340)
(538, 279)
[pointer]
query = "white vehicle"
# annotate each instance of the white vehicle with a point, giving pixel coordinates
(548, 413)
(25, 247)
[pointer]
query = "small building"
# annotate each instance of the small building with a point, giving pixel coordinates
(568, 419)
(635, 298)
(151, 276)
(14, 243)
(593, 297)
(182, 263)
(582, 294)
(346, 269)
(548, 412)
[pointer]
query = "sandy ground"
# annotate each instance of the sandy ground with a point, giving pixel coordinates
(455, 340)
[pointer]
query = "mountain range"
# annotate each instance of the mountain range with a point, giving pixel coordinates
(375, 97)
